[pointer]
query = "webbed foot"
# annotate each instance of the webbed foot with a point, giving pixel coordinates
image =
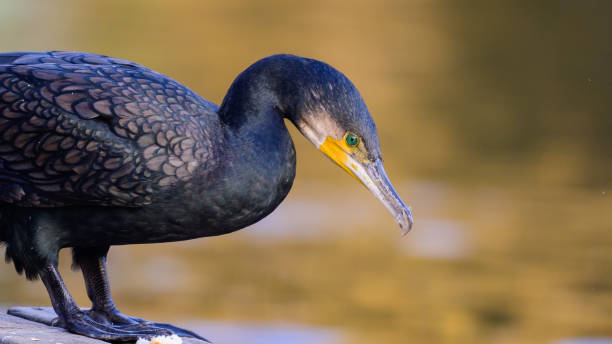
(100, 325)
(84, 324)
(116, 318)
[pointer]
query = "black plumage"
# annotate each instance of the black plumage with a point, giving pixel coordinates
(96, 151)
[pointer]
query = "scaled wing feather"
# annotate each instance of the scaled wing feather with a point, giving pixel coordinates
(79, 128)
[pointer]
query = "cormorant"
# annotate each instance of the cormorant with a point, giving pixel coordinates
(97, 151)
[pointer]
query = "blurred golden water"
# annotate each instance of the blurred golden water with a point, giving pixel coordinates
(495, 123)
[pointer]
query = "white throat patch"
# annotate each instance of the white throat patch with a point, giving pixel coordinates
(317, 126)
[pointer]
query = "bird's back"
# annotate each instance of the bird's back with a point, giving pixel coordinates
(79, 128)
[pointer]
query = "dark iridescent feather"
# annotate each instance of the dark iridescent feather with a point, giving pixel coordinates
(97, 151)
(78, 128)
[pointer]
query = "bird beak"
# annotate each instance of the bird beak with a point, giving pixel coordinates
(372, 175)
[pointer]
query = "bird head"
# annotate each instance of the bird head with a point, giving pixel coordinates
(329, 111)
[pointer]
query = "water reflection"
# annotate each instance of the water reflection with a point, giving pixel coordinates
(585, 341)
(438, 239)
(320, 218)
(312, 218)
(240, 333)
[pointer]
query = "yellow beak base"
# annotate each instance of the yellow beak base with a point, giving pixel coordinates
(370, 174)
(337, 152)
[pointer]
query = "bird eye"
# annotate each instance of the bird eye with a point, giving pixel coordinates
(351, 139)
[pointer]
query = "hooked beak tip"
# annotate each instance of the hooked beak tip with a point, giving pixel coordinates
(405, 221)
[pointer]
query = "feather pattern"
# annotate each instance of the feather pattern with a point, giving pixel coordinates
(80, 128)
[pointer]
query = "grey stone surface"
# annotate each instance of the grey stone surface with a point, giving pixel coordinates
(15, 330)
(44, 315)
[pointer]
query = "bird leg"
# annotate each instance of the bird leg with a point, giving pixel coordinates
(72, 318)
(93, 266)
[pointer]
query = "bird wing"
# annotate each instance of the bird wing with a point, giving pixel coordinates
(78, 128)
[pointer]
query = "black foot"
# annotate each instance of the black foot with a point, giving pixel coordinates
(116, 318)
(111, 327)
(82, 323)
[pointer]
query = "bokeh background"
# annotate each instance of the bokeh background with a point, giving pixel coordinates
(496, 127)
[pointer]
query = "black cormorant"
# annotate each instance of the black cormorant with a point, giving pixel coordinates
(97, 151)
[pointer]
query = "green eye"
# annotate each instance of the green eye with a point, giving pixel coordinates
(352, 140)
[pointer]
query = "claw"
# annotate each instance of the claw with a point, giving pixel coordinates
(181, 332)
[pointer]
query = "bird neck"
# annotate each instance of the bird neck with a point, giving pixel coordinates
(256, 166)
(248, 102)
(252, 123)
